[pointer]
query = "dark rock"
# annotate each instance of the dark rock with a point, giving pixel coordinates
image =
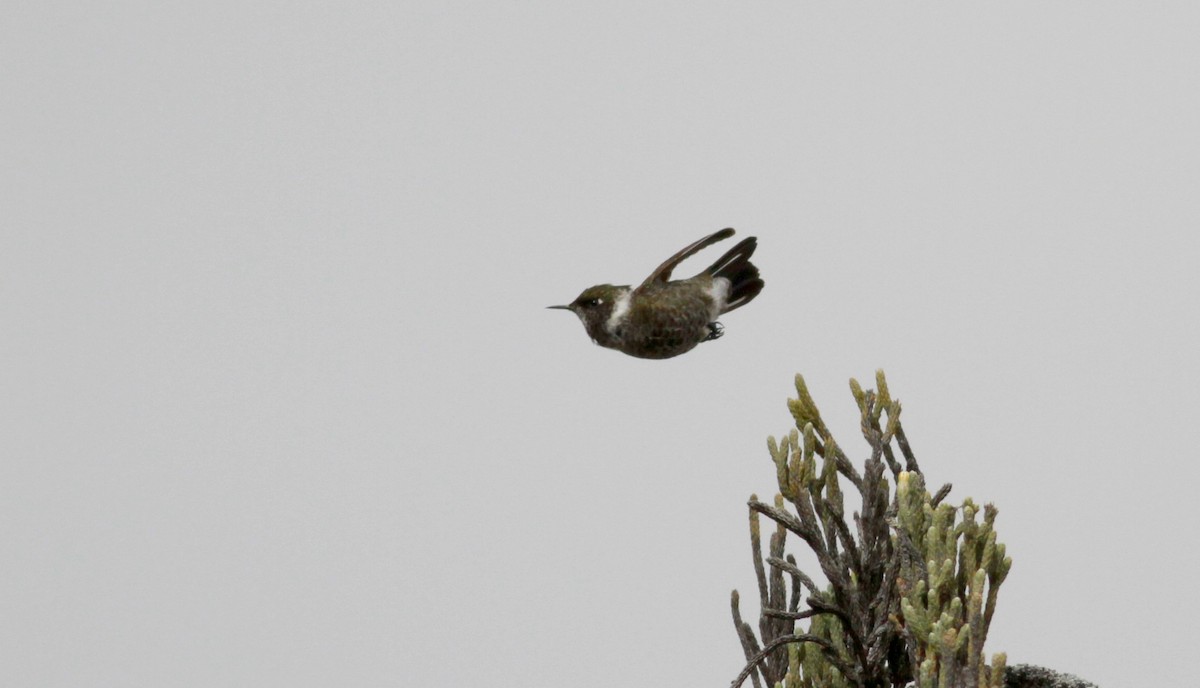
(1029, 676)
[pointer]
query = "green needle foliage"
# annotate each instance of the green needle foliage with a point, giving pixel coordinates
(911, 581)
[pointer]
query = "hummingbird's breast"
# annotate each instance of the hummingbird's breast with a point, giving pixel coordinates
(669, 319)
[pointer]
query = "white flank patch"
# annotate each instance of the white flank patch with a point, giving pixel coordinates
(619, 311)
(719, 293)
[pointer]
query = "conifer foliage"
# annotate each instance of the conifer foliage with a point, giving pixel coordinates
(910, 580)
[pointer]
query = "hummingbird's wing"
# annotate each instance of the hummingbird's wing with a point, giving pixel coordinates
(663, 272)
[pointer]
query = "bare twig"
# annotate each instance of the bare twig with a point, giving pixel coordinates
(745, 634)
(796, 573)
(831, 655)
(941, 494)
(909, 459)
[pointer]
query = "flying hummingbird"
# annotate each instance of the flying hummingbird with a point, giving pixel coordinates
(661, 318)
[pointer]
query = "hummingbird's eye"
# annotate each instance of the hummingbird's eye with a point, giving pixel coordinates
(591, 303)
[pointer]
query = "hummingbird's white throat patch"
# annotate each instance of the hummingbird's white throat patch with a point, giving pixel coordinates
(620, 308)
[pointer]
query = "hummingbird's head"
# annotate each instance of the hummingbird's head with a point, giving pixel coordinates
(594, 307)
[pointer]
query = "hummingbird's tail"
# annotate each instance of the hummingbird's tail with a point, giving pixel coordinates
(735, 266)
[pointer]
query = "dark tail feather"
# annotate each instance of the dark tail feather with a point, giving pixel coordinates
(735, 266)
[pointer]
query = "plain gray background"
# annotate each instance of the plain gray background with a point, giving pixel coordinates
(280, 404)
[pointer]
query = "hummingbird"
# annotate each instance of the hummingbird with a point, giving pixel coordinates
(663, 318)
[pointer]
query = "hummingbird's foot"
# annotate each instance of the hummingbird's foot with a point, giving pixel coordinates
(715, 330)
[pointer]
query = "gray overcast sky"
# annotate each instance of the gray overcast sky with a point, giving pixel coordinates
(280, 403)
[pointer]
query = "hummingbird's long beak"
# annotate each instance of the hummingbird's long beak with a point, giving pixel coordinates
(565, 308)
